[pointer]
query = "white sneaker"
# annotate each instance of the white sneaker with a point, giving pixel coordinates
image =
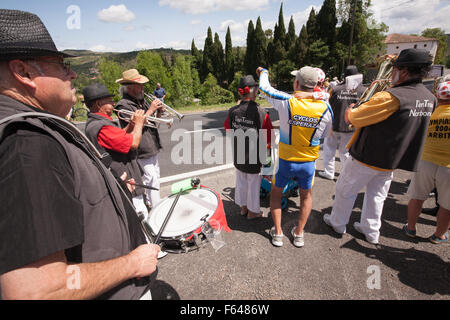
(326, 219)
(277, 240)
(325, 176)
(358, 228)
(298, 240)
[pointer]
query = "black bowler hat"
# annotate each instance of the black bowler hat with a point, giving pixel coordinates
(351, 71)
(247, 81)
(95, 91)
(413, 57)
(23, 35)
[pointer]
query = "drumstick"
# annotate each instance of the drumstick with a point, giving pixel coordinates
(166, 220)
(140, 185)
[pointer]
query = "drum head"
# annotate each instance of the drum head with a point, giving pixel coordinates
(186, 217)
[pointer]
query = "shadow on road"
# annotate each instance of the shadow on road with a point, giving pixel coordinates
(421, 270)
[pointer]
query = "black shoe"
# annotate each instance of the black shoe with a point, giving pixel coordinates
(431, 211)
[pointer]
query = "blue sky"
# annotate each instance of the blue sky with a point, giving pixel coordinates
(128, 25)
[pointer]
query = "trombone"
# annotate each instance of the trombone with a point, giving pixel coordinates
(126, 115)
(150, 98)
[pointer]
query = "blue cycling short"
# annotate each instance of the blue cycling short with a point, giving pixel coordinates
(303, 171)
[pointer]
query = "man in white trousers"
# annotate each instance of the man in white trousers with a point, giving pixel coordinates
(132, 100)
(390, 134)
(342, 96)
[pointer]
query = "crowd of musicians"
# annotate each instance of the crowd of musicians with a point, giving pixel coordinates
(68, 200)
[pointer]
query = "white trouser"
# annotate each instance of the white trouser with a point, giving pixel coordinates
(139, 205)
(151, 178)
(337, 141)
(354, 177)
(247, 190)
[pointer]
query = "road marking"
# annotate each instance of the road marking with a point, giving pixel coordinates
(204, 130)
(195, 173)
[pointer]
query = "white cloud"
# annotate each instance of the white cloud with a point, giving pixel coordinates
(118, 13)
(301, 17)
(205, 6)
(237, 27)
(195, 22)
(177, 45)
(129, 28)
(141, 45)
(101, 48)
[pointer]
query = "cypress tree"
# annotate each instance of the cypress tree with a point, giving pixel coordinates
(249, 53)
(207, 64)
(218, 59)
(197, 56)
(290, 36)
(311, 27)
(260, 48)
(280, 29)
(326, 30)
(298, 52)
(229, 58)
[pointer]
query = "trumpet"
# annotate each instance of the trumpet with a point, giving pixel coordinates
(150, 98)
(126, 115)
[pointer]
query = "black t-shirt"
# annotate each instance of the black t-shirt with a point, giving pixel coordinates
(39, 214)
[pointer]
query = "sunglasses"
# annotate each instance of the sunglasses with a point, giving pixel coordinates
(64, 64)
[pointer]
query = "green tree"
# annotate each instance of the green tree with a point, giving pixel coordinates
(439, 34)
(281, 73)
(291, 37)
(110, 71)
(197, 56)
(218, 59)
(152, 65)
(311, 27)
(250, 51)
(326, 31)
(234, 85)
(182, 81)
(298, 52)
(280, 29)
(229, 58)
(259, 48)
(317, 53)
(368, 36)
(208, 52)
(212, 93)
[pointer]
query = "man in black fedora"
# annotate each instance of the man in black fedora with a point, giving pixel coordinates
(66, 229)
(119, 144)
(390, 133)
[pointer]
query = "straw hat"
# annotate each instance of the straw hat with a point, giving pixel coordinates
(132, 76)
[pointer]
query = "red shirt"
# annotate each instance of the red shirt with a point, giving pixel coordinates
(114, 138)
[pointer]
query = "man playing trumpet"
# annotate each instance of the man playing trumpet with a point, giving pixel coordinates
(147, 154)
(390, 133)
(119, 144)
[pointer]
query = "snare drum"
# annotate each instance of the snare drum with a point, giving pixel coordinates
(183, 231)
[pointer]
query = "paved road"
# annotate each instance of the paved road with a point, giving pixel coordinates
(194, 133)
(328, 267)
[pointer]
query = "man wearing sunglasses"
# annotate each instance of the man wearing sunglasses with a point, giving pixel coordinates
(66, 230)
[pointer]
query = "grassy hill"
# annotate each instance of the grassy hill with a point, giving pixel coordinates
(86, 61)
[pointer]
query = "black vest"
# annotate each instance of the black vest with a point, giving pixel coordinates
(150, 142)
(340, 100)
(107, 233)
(120, 162)
(248, 117)
(396, 143)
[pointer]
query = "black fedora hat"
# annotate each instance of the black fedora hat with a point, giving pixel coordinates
(351, 71)
(247, 81)
(23, 35)
(413, 57)
(95, 91)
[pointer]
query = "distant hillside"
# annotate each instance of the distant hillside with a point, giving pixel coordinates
(86, 61)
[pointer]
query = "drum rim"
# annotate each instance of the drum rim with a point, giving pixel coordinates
(190, 233)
